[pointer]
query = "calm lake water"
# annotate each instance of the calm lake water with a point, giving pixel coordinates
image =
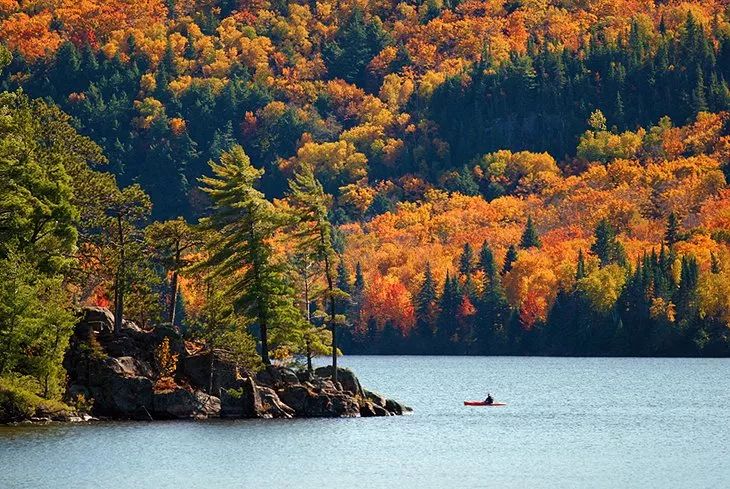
(569, 423)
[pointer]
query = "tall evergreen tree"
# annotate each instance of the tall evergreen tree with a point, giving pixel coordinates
(509, 259)
(530, 238)
(311, 205)
(606, 247)
(466, 260)
(671, 235)
(580, 271)
(242, 226)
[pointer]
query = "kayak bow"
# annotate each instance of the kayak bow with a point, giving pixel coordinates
(482, 403)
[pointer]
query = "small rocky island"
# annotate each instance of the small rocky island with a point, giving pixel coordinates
(119, 374)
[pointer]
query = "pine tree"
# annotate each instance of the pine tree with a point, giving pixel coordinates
(606, 246)
(509, 259)
(466, 260)
(358, 292)
(581, 268)
(449, 303)
(172, 242)
(242, 226)
(486, 261)
(672, 234)
(311, 207)
(426, 305)
(492, 306)
(343, 284)
(427, 295)
(714, 263)
(530, 238)
(699, 101)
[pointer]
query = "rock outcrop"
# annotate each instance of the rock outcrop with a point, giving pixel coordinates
(119, 372)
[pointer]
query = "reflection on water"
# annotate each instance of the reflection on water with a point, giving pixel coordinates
(569, 423)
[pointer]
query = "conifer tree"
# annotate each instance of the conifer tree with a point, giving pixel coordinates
(581, 267)
(606, 247)
(242, 225)
(311, 206)
(172, 242)
(530, 238)
(672, 234)
(509, 258)
(466, 260)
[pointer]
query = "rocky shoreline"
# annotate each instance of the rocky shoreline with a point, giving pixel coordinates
(119, 377)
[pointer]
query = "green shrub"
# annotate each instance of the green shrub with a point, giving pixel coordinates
(18, 402)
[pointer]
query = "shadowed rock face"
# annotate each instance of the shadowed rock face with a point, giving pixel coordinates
(119, 372)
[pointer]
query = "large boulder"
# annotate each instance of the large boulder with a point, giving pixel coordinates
(197, 369)
(244, 402)
(375, 398)
(394, 407)
(308, 403)
(181, 404)
(119, 396)
(296, 397)
(275, 376)
(345, 406)
(97, 319)
(131, 367)
(273, 407)
(345, 377)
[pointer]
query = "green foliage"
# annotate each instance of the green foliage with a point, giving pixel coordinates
(354, 46)
(672, 233)
(18, 400)
(224, 331)
(466, 260)
(172, 243)
(606, 246)
(509, 259)
(530, 238)
(241, 227)
(37, 215)
(603, 286)
(314, 233)
(36, 322)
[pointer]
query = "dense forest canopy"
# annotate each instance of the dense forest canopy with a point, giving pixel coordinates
(529, 176)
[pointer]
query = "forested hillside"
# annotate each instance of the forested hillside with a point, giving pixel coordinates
(519, 177)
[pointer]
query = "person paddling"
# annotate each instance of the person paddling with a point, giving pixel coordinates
(489, 399)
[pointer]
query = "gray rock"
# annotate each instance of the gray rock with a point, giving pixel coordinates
(394, 407)
(131, 326)
(275, 376)
(296, 397)
(131, 367)
(380, 411)
(367, 409)
(100, 319)
(181, 404)
(196, 368)
(244, 402)
(375, 398)
(345, 377)
(273, 407)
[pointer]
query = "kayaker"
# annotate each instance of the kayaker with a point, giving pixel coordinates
(489, 399)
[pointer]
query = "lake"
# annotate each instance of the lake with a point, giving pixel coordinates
(569, 423)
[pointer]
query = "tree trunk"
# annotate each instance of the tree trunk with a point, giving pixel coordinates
(333, 325)
(210, 378)
(309, 318)
(265, 342)
(262, 313)
(309, 356)
(120, 282)
(174, 286)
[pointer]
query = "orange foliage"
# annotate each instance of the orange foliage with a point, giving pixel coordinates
(389, 300)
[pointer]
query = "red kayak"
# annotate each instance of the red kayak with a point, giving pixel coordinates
(482, 403)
